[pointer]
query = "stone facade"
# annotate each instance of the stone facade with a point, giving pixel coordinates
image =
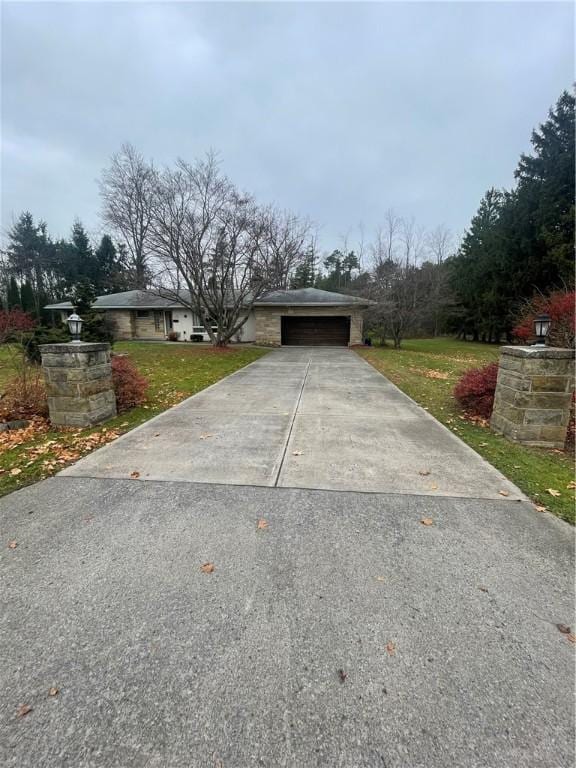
(78, 383)
(269, 322)
(123, 323)
(533, 395)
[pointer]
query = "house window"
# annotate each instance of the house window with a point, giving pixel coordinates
(158, 324)
(142, 313)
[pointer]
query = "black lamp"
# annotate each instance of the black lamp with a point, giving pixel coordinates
(541, 329)
(75, 326)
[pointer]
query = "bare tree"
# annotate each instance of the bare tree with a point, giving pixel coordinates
(217, 244)
(395, 276)
(440, 242)
(413, 240)
(127, 189)
(283, 247)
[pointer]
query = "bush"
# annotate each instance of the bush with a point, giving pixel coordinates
(98, 327)
(24, 396)
(130, 386)
(172, 336)
(560, 306)
(475, 390)
(13, 322)
(42, 335)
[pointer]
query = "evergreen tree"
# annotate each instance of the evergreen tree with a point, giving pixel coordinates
(305, 272)
(28, 299)
(112, 272)
(520, 242)
(83, 298)
(13, 294)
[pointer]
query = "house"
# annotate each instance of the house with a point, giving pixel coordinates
(305, 316)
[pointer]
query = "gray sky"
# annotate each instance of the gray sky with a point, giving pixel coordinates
(336, 111)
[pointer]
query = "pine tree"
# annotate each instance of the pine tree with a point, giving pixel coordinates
(28, 299)
(13, 295)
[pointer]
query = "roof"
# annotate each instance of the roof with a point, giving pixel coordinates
(311, 297)
(128, 300)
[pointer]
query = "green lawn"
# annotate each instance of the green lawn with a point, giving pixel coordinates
(428, 369)
(175, 371)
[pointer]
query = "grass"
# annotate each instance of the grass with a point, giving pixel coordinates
(428, 369)
(174, 372)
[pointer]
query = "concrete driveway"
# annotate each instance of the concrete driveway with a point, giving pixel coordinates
(344, 633)
(318, 418)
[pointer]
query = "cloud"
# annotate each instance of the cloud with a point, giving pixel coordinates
(335, 110)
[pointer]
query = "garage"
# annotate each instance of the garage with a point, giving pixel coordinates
(316, 331)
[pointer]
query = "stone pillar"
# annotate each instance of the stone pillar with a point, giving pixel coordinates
(78, 383)
(533, 395)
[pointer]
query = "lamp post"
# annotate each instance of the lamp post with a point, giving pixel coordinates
(75, 326)
(541, 329)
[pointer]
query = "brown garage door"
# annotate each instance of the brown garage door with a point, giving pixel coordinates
(316, 331)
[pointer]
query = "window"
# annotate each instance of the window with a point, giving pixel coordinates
(198, 329)
(158, 324)
(142, 313)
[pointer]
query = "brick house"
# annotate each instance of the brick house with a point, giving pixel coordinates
(304, 316)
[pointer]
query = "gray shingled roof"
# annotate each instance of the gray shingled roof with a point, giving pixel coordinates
(128, 300)
(310, 297)
(150, 300)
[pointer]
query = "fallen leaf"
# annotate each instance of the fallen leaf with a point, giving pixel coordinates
(571, 485)
(483, 589)
(553, 492)
(53, 691)
(15, 471)
(23, 709)
(207, 568)
(342, 675)
(540, 508)
(262, 524)
(297, 453)
(135, 475)
(12, 544)
(433, 487)
(427, 521)
(504, 493)
(391, 648)
(205, 436)
(424, 472)
(563, 628)
(379, 578)
(571, 637)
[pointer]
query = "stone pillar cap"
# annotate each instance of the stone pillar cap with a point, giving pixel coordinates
(70, 347)
(558, 353)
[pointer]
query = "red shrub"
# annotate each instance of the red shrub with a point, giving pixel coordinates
(560, 306)
(12, 321)
(129, 385)
(475, 390)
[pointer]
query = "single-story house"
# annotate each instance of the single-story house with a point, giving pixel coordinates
(304, 316)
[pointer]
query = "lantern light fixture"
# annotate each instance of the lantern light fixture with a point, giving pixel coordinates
(75, 327)
(541, 329)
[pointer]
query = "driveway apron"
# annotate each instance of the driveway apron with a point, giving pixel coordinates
(317, 418)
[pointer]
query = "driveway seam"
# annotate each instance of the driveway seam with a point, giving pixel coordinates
(293, 419)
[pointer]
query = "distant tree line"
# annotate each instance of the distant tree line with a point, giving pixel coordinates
(187, 226)
(36, 270)
(520, 242)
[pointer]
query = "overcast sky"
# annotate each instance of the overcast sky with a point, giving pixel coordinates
(337, 111)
